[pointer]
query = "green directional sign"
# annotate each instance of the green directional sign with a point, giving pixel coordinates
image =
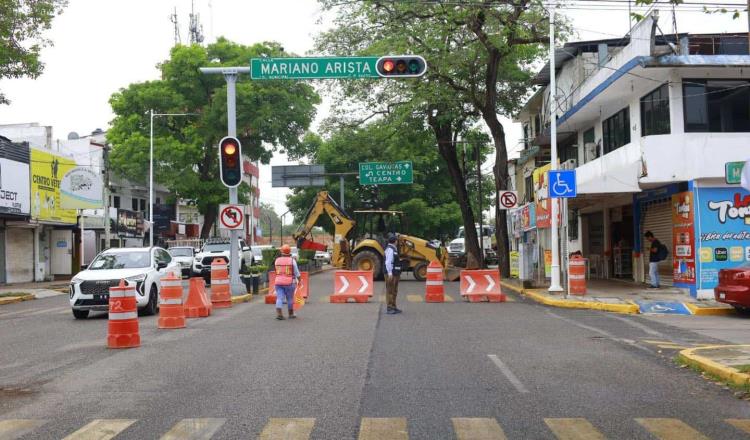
(383, 173)
(733, 172)
(313, 68)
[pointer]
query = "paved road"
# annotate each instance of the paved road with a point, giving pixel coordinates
(344, 371)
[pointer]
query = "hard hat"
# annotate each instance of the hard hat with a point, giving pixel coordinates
(286, 250)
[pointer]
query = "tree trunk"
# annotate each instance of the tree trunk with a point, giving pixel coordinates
(208, 221)
(500, 171)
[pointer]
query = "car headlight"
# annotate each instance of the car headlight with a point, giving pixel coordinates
(137, 278)
(76, 280)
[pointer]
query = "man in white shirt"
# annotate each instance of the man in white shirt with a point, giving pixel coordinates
(392, 274)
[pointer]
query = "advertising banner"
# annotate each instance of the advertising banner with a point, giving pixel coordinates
(528, 217)
(81, 188)
(541, 196)
(548, 263)
(724, 230)
(14, 187)
(47, 171)
(514, 268)
(683, 238)
(129, 223)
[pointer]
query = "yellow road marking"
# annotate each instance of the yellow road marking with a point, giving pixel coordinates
(325, 298)
(287, 429)
(477, 429)
(573, 429)
(670, 429)
(383, 429)
(194, 429)
(741, 424)
(12, 429)
(449, 299)
(415, 298)
(101, 429)
(672, 346)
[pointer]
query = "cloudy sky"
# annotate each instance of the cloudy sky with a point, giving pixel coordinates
(103, 45)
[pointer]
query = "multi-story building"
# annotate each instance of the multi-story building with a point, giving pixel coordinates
(650, 123)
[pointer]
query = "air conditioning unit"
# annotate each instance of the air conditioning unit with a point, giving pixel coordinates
(569, 164)
(590, 151)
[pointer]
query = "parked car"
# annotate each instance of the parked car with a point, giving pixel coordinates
(144, 267)
(183, 255)
(257, 252)
(323, 256)
(734, 287)
(219, 248)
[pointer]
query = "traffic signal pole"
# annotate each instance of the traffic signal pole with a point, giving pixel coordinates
(555, 278)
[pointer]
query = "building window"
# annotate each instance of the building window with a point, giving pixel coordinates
(537, 124)
(716, 106)
(655, 112)
(526, 136)
(134, 204)
(567, 153)
(616, 130)
(590, 147)
(528, 190)
(116, 202)
(143, 204)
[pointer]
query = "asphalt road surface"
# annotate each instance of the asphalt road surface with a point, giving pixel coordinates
(513, 370)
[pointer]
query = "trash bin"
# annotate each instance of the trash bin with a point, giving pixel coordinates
(577, 275)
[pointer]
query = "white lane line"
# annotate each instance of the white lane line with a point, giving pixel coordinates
(601, 332)
(638, 325)
(508, 374)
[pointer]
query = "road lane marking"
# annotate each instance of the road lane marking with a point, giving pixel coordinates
(670, 429)
(287, 429)
(741, 424)
(415, 298)
(632, 322)
(606, 334)
(15, 428)
(383, 429)
(101, 429)
(508, 374)
(449, 299)
(477, 429)
(194, 429)
(32, 312)
(573, 429)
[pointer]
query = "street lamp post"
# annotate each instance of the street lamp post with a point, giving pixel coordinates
(281, 234)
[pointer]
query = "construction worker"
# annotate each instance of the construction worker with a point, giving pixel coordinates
(393, 272)
(287, 277)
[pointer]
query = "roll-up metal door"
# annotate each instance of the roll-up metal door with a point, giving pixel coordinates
(657, 218)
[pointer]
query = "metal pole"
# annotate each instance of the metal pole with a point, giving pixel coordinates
(555, 279)
(481, 219)
(105, 159)
(83, 239)
(234, 270)
(341, 187)
(748, 22)
(151, 185)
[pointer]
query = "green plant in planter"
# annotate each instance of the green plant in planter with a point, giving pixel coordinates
(307, 254)
(269, 256)
(302, 261)
(258, 269)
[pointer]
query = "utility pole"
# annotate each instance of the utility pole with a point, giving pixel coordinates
(748, 24)
(105, 171)
(555, 276)
(481, 220)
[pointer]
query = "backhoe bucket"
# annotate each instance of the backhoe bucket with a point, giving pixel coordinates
(452, 273)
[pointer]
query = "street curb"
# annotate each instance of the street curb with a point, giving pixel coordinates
(628, 309)
(709, 311)
(16, 299)
(242, 298)
(729, 374)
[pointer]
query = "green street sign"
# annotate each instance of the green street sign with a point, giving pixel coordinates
(383, 173)
(313, 68)
(733, 172)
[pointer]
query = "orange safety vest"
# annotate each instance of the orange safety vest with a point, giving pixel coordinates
(284, 271)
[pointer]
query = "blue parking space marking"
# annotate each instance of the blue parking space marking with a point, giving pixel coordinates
(663, 307)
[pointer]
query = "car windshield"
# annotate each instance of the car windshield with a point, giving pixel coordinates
(181, 252)
(216, 247)
(487, 232)
(124, 260)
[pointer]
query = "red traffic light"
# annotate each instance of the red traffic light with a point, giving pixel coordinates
(388, 66)
(230, 148)
(230, 161)
(403, 66)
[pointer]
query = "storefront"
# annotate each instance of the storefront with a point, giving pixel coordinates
(524, 236)
(16, 234)
(653, 211)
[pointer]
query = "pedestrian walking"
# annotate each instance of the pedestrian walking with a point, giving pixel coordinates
(393, 273)
(657, 252)
(287, 277)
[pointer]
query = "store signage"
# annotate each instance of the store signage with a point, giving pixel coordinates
(47, 171)
(129, 223)
(683, 238)
(14, 187)
(81, 188)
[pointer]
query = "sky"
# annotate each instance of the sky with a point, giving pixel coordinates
(101, 46)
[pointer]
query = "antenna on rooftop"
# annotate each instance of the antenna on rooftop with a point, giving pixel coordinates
(196, 29)
(173, 19)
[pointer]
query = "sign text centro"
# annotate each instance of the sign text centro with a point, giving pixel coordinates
(313, 68)
(382, 173)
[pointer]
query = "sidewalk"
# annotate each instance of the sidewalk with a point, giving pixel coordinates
(728, 362)
(624, 297)
(13, 293)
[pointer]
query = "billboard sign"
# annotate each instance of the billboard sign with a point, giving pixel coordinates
(14, 187)
(81, 188)
(47, 171)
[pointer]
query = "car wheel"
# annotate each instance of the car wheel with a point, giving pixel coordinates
(368, 260)
(420, 271)
(153, 301)
(80, 314)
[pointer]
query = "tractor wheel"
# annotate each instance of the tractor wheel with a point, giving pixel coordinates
(420, 271)
(368, 260)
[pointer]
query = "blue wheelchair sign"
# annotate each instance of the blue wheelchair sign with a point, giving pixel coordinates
(562, 184)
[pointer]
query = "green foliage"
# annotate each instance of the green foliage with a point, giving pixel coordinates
(271, 115)
(22, 24)
(736, 13)
(269, 256)
(302, 261)
(258, 268)
(306, 254)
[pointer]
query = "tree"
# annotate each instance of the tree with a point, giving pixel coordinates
(480, 57)
(22, 25)
(270, 114)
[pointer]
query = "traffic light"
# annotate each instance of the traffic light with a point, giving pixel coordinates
(230, 161)
(401, 66)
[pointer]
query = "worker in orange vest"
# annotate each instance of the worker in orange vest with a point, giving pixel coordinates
(287, 277)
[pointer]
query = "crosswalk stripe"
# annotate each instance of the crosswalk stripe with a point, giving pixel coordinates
(383, 429)
(101, 429)
(477, 429)
(670, 429)
(449, 299)
(287, 429)
(741, 424)
(573, 429)
(13, 429)
(415, 298)
(194, 429)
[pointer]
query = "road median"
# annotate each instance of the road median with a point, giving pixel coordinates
(730, 363)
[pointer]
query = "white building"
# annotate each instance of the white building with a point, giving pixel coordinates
(650, 122)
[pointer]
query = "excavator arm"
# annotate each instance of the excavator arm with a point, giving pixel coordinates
(343, 227)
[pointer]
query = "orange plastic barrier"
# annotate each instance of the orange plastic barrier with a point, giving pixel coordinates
(122, 329)
(481, 285)
(171, 312)
(352, 284)
(434, 291)
(221, 295)
(197, 305)
(270, 297)
(577, 275)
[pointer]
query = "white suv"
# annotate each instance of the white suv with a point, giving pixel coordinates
(144, 267)
(219, 248)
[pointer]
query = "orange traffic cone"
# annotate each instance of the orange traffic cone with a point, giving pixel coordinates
(204, 295)
(270, 297)
(171, 312)
(196, 305)
(434, 284)
(123, 331)
(221, 296)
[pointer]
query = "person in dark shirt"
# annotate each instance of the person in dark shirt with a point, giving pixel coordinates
(653, 259)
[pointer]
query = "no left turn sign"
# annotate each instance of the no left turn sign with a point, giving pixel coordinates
(508, 199)
(231, 217)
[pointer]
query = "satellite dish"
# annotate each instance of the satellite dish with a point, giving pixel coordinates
(73, 135)
(97, 131)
